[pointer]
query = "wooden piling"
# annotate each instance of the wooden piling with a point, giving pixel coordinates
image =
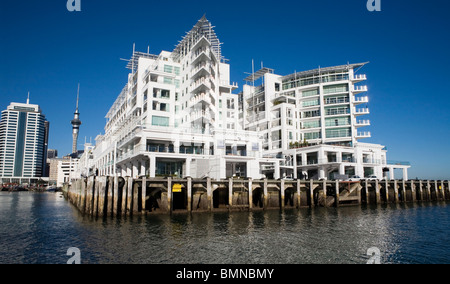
(143, 194)
(337, 194)
(189, 193)
(101, 196)
(377, 192)
(311, 193)
(250, 194)
(209, 194)
(395, 191)
(265, 193)
(135, 198)
(169, 195)
(116, 196)
(230, 193)
(110, 196)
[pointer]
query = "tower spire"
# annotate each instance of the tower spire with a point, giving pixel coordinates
(78, 96)
(76, 122)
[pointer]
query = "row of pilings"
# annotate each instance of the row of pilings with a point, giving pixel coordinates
(117, 196)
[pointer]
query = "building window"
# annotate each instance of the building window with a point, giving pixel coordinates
(335, 89)
(160, 121)
(340, 132)
(168, 69)
(310, 93)
(312, 135)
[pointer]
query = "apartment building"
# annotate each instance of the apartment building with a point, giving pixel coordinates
(315, 122)
(177, 116)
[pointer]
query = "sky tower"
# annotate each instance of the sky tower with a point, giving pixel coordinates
(76, 122)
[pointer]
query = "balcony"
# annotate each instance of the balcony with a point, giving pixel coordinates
(361, 100)
(359, 89)
(201, 84)
(361, 111)
(204, 115)
(362, 123)
(202, 69)
(361, 135)
(359, 77)
(202, 53)
(203, 97)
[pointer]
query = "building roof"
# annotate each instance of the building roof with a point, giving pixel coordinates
(320, 70)
(258, 74)
(203, 28)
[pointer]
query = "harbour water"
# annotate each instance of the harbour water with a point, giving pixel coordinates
(41, 227)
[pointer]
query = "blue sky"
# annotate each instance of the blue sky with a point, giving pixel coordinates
(47, 50)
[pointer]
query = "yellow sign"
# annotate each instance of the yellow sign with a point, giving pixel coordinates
(177, 187)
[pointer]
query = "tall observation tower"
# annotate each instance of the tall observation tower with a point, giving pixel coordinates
(76, 122)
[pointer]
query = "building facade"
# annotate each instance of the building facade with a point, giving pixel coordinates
(314, 121)
(23, 142)
(177, 116)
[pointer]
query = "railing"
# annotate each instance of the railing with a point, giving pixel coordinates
(363, 135)
(398, 163)
(359, 77)
(360, 89)
(362, 100)
(362, 123)
(361, 110)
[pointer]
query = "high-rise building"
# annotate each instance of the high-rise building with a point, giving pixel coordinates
(312, 120)
(23, 137)
(177, 116)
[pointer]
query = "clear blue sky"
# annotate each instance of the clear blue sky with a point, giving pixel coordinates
(47, 50)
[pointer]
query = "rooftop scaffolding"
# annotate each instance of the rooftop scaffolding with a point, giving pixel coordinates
(203, 28)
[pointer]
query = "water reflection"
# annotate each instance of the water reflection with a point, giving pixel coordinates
(39, 228)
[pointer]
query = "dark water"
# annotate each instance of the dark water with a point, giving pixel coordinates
(39, 228)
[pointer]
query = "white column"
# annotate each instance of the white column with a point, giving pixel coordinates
(152, 170)
(391, 173)
(405, 173)
(341, 169)
(294, 163)
(135, 169)
(188, 167)
(321, 172)
(143, 169)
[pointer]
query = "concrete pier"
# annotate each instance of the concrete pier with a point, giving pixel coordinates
(117, 196)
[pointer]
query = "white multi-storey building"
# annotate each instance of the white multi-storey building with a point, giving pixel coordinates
(313, 120)
(23, 143)
(177, 116)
